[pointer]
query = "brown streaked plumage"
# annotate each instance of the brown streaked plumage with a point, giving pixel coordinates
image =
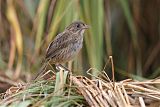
(66, 45)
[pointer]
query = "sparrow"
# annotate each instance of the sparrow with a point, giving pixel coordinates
(66, 44)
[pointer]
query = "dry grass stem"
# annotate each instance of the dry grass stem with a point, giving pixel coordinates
(125, 93)
(96, 92)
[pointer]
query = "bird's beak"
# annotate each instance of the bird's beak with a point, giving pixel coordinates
(86, 27)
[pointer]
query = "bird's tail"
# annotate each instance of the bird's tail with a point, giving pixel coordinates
(42, 70)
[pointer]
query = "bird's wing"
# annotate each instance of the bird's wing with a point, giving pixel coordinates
(61, 41)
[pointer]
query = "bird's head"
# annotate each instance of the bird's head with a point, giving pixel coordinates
(77, 26)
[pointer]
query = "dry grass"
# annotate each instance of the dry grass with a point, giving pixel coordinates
(100, 93)
(65, 89)
(82, 91)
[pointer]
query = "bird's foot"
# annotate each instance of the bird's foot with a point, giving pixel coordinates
(61, 67)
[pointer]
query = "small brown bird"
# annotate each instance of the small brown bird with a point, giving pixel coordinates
(67, 44)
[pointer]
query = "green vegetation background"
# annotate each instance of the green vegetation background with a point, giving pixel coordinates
(129, 30)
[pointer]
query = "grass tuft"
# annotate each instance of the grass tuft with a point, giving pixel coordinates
(68, 90)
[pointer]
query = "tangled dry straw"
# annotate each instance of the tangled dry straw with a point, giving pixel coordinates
(97, 92)
(80, 91)
(126, 93)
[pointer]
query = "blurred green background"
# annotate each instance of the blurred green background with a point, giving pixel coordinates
(129, 30)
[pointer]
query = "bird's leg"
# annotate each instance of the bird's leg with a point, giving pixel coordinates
(61, 67)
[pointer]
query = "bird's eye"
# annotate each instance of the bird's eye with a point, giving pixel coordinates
(78, 26)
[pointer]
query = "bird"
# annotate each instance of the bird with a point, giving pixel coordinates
(66, 45)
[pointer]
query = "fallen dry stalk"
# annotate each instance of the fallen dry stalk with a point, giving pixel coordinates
(99, 93)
